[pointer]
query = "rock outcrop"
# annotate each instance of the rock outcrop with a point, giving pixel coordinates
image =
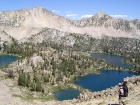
(103, 20)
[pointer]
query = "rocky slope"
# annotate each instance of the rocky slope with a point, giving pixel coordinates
(41, 27)
(27, 22)
(4, 38)
(12, 95)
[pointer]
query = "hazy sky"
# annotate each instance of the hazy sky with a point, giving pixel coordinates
(77, 9)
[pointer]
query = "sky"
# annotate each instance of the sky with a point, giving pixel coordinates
(78, 9)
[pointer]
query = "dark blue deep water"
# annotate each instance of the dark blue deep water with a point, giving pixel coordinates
(112, 59)
(6, 59)
(106, 79)
(98, 82)
(66, 94)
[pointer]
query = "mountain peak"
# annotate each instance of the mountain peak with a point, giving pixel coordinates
(38, 8)
(32, 20)
(101, 13)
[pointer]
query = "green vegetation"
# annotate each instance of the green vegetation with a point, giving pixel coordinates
(43, 97)
(59, 64)
(127, 47)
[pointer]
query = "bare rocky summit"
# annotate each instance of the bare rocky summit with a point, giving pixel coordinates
(24, 23)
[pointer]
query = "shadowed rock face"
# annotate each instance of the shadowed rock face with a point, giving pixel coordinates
(136, 22)
(27, 22)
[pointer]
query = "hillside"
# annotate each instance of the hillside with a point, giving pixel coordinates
(12, 95)
(24, 23)
(54, 50)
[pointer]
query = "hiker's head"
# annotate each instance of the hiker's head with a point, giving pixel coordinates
(124, 82)
(120, 84)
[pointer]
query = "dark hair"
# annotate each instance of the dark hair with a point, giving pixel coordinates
(124, 83)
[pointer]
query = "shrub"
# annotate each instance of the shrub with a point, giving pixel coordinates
(10, 73)
(33, 86)
(38, 86)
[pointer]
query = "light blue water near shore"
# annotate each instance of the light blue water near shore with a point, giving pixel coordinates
(7, 59)
(66, 94)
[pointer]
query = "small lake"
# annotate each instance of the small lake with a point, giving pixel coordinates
(7, 59)
(66, 94)
(106, 79)
(112, 59)
(98, 82)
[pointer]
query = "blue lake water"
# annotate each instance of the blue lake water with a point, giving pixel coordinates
(112, 59)
(98, 82)
(66, 94)
(6, 59)
(106, 79)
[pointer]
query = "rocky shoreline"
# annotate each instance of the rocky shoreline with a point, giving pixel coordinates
(101, 97)
(109, 92)
(84, 97)
(104, 94)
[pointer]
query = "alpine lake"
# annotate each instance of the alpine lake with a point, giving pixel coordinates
(7, 59)
(97, 82)
(92, 82)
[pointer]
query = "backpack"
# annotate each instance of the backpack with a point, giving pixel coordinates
(125, 88)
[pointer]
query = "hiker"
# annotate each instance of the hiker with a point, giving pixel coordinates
(125, 88)
(121, 94)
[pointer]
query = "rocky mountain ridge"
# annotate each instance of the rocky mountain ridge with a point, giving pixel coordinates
(55, 45)
(24, 23)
